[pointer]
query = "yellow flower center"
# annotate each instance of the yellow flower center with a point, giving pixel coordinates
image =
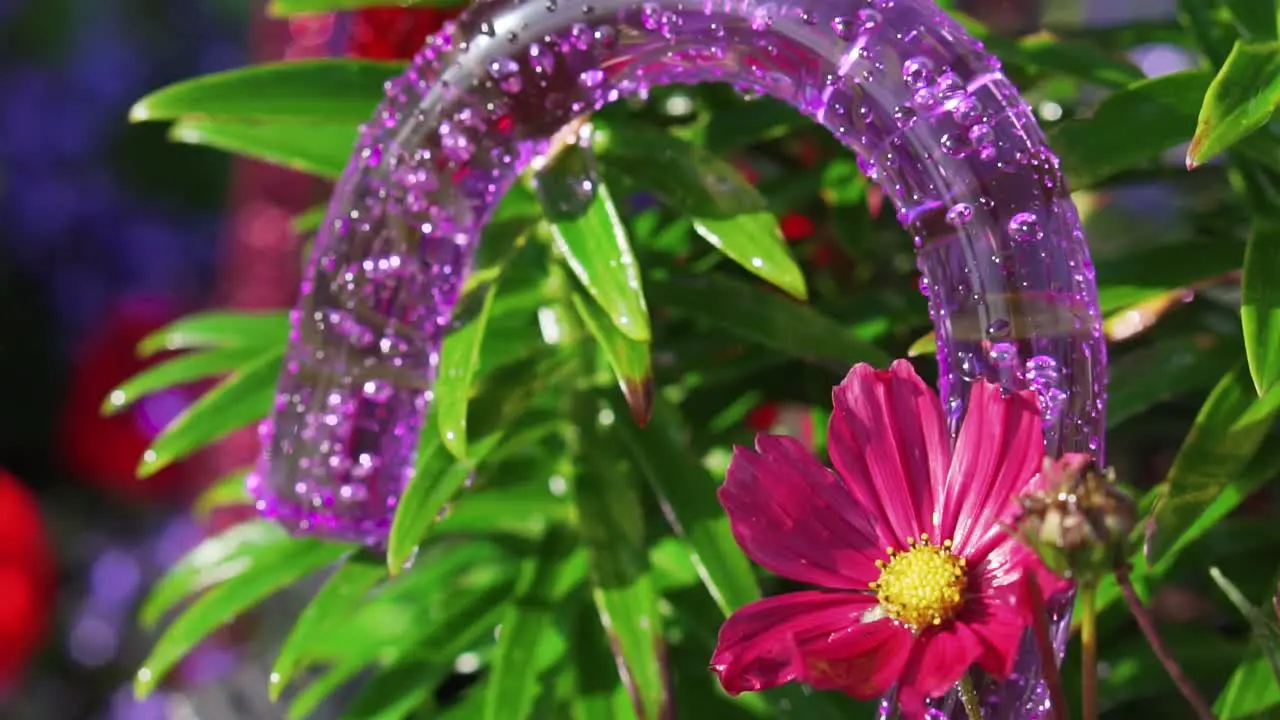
(922, 585)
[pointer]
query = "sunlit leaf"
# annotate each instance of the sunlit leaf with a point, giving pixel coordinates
(459, 359)
(291, 562)
(319, 149)
(590, 235)
(725, 209)
(1260, 306)
(1230, 427)
(1251, 692)
(630, 359)
(235, 402)
(284, 8)
(218, 329)
(314, 90)
(687, 495)
(218, 558)
(225, 492)
(529, 631)
(344, 589)
(1241, 98)
(611, 520)
(180, 370)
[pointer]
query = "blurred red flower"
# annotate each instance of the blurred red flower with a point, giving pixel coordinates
(27, 578)
(395, 33)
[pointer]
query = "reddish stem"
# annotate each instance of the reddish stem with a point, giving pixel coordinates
(1171, 666)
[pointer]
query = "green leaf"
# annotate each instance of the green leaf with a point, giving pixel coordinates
(1260, 304)
(687, 496)
(528, 629)
(1264, 631)
(611, 520)
(291, 562)
(309, 699)
(1256, 18)
(1165, 370)
(285, 8)
(396, 692)
(598, 691)
(525, 510)
(237, 401)
(218, 329)
(308, 221)
(1241, 99)
(180, 370)
(726, 210)
(320, 149)
(343, 591)
(227, 491)
(591, 236)
(1129, 128)
(760, 316)
(1226, 434)
(1043, 51)
(1251, 691)
(630, 359)
(428, 493)
(232, 552)
(754, 241)
(323, 90)
(459, 359)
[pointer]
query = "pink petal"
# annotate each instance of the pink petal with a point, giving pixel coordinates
(998, 453)
(937, 662)
(796, 518)
(998, 572)
(888, 441)
(864, 661)
(764, 644)
(1000, 629)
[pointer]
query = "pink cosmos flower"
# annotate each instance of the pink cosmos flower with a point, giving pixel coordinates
(905, 536)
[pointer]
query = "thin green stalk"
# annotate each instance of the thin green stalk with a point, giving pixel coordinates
(1089, 647)
(969, 696)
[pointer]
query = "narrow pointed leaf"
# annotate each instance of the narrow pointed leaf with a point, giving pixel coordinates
(311, 697)
(227, 491)
(237, 401)
(726, 210)
(340, 594)
(528, 629)
(317, 90)
(285, 8)
(1165, 370)
(1241, 99)
(459, 359)
(598, 691)
(398, 692)
(181, 370)
(1263, 629)
(760, 316)
(226, 555)
(630, 359)
(754, 241)
(428, 494)
(218, 329)
(1226, 435)
(225, 602)
(319, 149)
(611, 521)
(591, 236)
(1260, 306)
(687, 496)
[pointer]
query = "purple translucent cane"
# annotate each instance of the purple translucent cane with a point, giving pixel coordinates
(929, 114)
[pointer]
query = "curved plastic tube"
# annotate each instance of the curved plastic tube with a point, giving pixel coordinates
(929, 114)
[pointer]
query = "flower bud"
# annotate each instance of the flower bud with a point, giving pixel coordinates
(1080, 523)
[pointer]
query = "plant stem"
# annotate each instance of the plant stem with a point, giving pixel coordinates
(1048, 653)
(1089, 648)
(969, 696)
(1171, 666)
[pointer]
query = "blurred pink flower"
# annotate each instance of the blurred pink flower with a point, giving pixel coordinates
(905, 535)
